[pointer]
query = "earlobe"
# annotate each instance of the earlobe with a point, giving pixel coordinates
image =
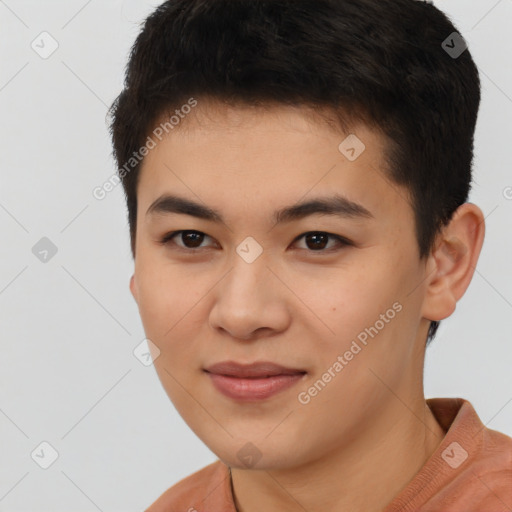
(453, 261)
(133, 289)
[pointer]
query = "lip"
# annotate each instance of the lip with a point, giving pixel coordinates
(252, 370)
(252, 382)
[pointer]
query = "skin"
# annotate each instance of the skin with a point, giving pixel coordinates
(296, 306)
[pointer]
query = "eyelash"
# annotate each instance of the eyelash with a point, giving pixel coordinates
(342, 241)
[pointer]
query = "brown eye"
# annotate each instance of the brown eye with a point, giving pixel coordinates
(317, 241)
(188, 239)
(192, 238)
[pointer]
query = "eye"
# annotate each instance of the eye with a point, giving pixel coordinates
(190, 239)
(316, 241)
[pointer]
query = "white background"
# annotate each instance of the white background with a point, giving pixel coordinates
(68, 375)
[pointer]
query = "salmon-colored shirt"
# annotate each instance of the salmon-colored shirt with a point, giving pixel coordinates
(471, 471)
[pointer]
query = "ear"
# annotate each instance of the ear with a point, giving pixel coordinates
(452, 262)
(133, 288)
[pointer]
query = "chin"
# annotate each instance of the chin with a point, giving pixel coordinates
(245, 454)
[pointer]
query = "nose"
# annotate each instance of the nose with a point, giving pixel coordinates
(250, 301)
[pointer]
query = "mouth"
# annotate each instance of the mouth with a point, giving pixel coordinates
(252, 382)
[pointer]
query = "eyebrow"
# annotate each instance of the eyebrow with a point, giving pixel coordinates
(336, 205)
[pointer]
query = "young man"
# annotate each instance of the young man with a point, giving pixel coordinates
(296, 175)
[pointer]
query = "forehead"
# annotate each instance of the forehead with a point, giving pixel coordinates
(242, 156)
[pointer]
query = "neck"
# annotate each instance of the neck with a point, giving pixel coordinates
(386, 453)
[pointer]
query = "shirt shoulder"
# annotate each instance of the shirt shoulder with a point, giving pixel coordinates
(471, 470)
(207, 489)
(484, 479)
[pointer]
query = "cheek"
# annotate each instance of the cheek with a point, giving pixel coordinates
(347, 300)
(165, 286)
(171, 310)
(161, 302)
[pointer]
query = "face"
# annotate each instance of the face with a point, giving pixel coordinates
(292, 249)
